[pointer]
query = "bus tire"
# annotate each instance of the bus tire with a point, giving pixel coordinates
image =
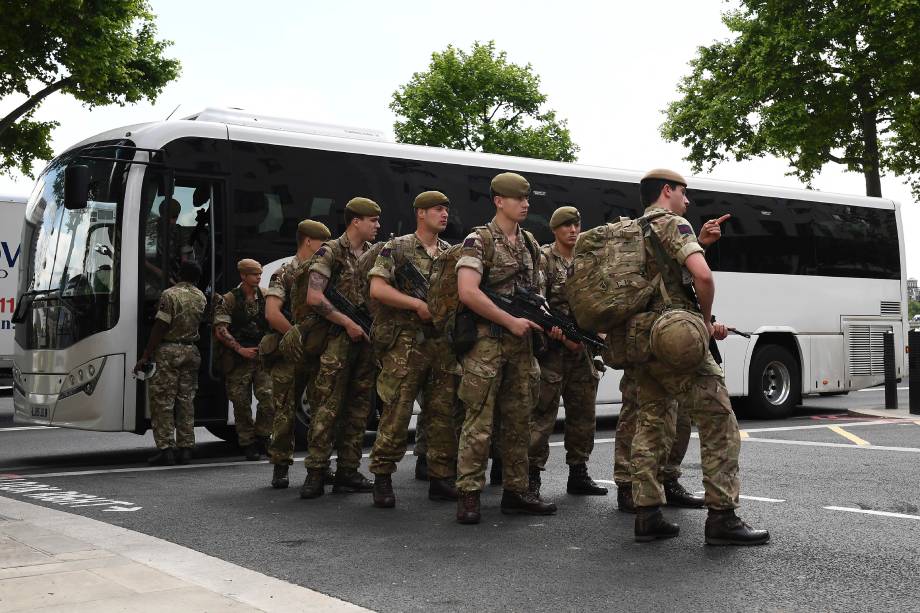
(775, 383)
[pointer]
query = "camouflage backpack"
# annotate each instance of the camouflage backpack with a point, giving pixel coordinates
(608, 281)
(362, 267)
(443, 299)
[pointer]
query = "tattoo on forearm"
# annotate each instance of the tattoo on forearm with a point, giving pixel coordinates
(224, 336)
(325, 308)
(318, 282)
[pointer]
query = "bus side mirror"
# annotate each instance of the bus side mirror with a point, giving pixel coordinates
(76, 186)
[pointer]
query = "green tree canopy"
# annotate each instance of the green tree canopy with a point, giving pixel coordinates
(99, 51)
(812, 81)
(479, 101)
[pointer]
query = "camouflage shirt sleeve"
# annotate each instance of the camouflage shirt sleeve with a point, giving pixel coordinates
(385, 264)
(677, 237)
(323, 261)
(276, 284)
(223, 309)
(166, 310)
(472, 253)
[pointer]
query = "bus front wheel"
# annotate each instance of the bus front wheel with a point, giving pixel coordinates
(775, 383)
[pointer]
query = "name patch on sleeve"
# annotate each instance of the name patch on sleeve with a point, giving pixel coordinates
(470, 242)
(684, 229)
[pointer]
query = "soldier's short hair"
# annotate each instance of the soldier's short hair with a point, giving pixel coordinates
(650, 189)
(189, 271)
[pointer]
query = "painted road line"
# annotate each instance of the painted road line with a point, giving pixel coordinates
(868, 512)
(853, 424)
(849, 436)
(755, 498)
(778, 441)
(744, 434)
(605, 481)
(14, 484)
(879, 389)
(21, 428)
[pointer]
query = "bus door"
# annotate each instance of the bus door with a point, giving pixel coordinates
(187, 226)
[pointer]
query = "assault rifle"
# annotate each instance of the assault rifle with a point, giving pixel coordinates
(357, 314)
(531, 305)
(714, 346)
(412, 282)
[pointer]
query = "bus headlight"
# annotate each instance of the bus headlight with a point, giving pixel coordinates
(83, 378)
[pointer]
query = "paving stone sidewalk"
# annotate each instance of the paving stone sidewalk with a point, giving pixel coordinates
(56, 561)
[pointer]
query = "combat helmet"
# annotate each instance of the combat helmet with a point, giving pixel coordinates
(680, 340)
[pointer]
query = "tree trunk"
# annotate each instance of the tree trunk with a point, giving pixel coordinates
(31, 103)
(871, 169)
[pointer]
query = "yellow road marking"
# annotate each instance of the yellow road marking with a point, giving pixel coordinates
(850, 436)
(744, 435)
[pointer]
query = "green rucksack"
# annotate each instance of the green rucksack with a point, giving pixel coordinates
(608, 282)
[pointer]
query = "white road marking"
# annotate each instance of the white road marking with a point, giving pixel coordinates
(879, 389)
(777, 441)
(868, 512)
(762, 499)
(605, 481)
(849, 424)
(21, 428)
(55, 495)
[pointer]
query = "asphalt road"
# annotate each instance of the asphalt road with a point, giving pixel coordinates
(839, 496)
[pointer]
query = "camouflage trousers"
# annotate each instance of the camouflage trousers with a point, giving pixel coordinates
(289, 380)
(500, 377)
(567, 375)
(172, 395)
(245, 379)
(411, 366)
(705, 397)
(626, 430)
(342, 391)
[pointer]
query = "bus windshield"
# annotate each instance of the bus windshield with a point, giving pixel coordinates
(68, 284)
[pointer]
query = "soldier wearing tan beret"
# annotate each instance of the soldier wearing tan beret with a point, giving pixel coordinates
(239, 325)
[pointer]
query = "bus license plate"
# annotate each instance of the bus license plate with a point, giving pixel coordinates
(40, 412)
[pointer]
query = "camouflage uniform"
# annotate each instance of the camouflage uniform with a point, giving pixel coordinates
(563, 374)
(413, 359)
(501, 376)
(345, 367)
(702, 393)
(246, 322)
(175, 382)
(289, 379)
(626, 430)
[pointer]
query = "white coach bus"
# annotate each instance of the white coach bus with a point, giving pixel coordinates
(816, 278)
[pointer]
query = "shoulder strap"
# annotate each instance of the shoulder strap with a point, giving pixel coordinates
(488, 250)
(534, 248)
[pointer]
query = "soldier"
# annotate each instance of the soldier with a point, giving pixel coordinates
(566, 371)
(414, 358)
(172, 345)
(346, 364)
(683, 326)
(240, 324)
(289, 377)
(675, 493)
(500, 373)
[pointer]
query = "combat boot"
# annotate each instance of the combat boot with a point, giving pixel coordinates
(184, 455)
(581, 484)
(163, 457)
(384, 497)
(495, 473)
(421, 468)
(651, 525)
(251, 451)
(726, 528)
(526, 503)
(468, 507)
(677, 496)
(442, 489)
(350, 483)
(328, 477)
(625, 499)
(534, 481)
(313, 484)
(280, 476)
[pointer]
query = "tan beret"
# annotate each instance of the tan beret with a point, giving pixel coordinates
(249, 267)
(426, 200)
(313, 229)
(564, 215)
(665, 175)
(363, 206)
(510, 184)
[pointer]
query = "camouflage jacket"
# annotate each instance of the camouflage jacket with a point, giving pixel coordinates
(335, 261)
(510, 265)
(679, 242)
(245, 318)
(555, 269)
(395, 254)
(182, 307)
